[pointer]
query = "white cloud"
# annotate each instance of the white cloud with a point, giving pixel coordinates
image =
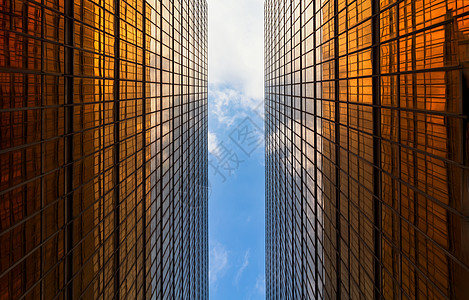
(227, 104)
(243, 267)
(236, 59)
(260, 285)
(218, 262)
(212, 143)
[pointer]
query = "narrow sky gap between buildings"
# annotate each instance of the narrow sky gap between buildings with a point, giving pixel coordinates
(236, 150)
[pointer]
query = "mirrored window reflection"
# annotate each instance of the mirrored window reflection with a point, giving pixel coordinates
(375, 147)
(103, 149)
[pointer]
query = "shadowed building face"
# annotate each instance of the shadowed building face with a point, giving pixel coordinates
(366, 140)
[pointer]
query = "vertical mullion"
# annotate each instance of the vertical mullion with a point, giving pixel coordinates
(172, 153)
(68, 126)
(268, 189)
(24, 127)
(160, 179)
(337, 145)
(281, 143)
(43, 150)
(144, 147)
(138, 118)
(415, 143)
(275, 158)
(180, 192)
(302, 237)
(116, 112)
(316, 151)
(347, 142)
(398, 105)
(181, 146)
(376, 95)
(288, 146)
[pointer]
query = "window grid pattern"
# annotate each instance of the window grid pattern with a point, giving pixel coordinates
(367, 161)
(103, 149)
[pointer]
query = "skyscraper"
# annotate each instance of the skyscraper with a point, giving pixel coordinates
(367, 138)
(103, 149)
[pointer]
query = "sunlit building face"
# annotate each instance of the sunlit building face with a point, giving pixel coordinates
(367, 159)
(103, 149)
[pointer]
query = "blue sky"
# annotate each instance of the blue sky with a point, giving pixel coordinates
(236, 146)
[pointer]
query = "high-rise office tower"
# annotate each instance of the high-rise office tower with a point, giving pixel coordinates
(367, 140)
(103, 149)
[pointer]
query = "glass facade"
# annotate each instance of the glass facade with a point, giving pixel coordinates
(367, 149)
(103, 149)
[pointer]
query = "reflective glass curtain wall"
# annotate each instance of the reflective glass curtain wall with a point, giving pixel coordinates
(367, 138)
(103, 149)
